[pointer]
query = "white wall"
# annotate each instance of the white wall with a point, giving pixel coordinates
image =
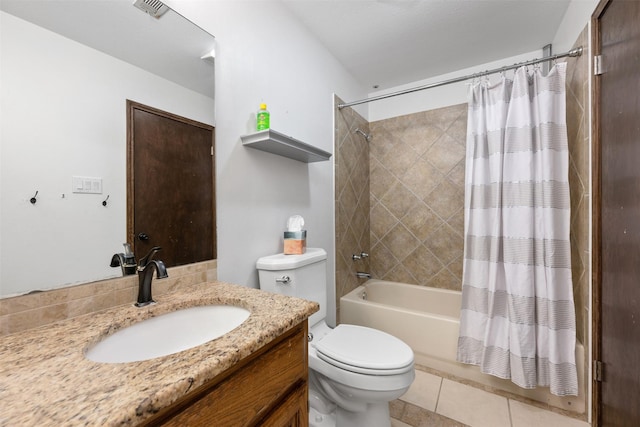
(64, 113)
(429, 99)
(576, 18)
(263, 54)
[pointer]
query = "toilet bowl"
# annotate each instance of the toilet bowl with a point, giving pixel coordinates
(354, 371)
(358, 369)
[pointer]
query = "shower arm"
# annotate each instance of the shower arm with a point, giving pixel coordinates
(367, 136)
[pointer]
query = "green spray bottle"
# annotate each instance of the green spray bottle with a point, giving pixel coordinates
(262, 118)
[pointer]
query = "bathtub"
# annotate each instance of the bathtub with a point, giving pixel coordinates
(427, 319)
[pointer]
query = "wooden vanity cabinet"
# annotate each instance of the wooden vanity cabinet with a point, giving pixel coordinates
(268, 388)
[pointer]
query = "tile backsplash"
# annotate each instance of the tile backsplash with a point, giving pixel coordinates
(40, 308)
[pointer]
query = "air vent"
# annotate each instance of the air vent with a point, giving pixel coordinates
(154, 8)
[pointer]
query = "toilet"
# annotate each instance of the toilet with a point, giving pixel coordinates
(354, 371)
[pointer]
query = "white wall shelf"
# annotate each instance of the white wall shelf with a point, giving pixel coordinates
(277, 143)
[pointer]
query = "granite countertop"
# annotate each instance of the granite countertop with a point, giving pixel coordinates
(46, 380)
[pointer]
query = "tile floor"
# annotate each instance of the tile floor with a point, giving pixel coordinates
(434, 401)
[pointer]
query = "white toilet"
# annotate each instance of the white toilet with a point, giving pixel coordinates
(354, 372)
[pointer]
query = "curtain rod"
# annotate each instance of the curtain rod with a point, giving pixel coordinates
(573, 52)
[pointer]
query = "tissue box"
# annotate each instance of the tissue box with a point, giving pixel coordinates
(295, 242)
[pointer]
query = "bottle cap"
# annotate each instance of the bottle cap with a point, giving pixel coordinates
(263, 106)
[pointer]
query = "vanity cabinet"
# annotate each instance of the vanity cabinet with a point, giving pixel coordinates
(268, 388)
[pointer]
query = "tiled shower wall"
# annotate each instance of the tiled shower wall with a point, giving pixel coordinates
(578, 130)
(415, 173)
(352, 199)
(417, 197)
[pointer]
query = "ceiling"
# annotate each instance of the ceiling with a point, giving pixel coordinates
(386, 43)
(382, 43)
(170, 46)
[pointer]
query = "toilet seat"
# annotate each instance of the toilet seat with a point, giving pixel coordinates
(365, 351)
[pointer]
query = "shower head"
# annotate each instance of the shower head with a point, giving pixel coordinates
(367, 136)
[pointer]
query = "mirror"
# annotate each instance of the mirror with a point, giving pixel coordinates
(67, 68)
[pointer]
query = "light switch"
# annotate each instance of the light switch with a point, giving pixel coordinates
(86, 184)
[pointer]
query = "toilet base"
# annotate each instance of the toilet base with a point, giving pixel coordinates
(316, 419)
(376, 416)
(324, 412)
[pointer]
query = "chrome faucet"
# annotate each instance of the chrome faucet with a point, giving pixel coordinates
(363, 275)
(146, 265)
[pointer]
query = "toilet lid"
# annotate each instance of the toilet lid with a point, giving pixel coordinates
(365, 350)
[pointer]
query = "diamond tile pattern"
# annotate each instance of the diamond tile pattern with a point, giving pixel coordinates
(579, 181)
(417, 197)
(352, 208)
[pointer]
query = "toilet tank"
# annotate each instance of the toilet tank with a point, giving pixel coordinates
(306, 274)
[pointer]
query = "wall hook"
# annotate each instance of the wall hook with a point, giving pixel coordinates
(104, 202)
(33, 199)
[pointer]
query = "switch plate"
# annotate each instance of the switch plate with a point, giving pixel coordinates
(86, 184)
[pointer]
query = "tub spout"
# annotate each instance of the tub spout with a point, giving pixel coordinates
(362, 275)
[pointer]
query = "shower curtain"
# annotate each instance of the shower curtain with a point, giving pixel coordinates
(517, 318)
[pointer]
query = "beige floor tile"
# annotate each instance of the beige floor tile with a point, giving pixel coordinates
(524, 415)
(424, 390)
(472, 406)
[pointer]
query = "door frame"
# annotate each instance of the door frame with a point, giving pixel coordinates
(131, 107)
(596, 262)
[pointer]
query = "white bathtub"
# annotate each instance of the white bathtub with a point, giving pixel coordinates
(427, 319)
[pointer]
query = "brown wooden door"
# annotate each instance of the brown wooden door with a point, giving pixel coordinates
(617, 38)
(170, 199)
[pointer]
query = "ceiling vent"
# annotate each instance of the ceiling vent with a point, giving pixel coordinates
(154, 8)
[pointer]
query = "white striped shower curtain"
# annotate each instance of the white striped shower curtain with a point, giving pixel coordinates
(517, 320)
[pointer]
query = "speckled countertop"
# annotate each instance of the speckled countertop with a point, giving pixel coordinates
(46, 380)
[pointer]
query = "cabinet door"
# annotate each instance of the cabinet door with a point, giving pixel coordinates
(272, 382)
(293, 411)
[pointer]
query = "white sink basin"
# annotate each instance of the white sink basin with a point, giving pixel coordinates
(167, 334)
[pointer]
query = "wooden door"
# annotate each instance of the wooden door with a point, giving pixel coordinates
(617, 212)
(170, 196)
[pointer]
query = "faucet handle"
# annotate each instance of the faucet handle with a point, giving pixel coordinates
(362, 255)
(144, 260)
